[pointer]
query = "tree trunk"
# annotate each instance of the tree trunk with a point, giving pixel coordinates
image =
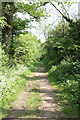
(7, 31)
(9, 36)
(4, 36)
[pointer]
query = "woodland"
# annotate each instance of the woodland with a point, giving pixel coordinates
(21, 52)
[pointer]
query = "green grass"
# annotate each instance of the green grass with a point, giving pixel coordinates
(15, 81)
(17, 84)
(31, 113)
(33, 101)
(10, 94)
(35, 90)
(69, 110)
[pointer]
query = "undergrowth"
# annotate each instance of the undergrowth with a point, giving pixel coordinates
(65, 76)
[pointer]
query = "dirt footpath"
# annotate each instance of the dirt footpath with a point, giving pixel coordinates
(49, 109)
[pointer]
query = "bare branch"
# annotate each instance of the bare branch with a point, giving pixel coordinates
(65, 10)
(67, 19)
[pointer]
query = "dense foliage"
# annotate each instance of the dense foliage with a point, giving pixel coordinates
(27, 48)
(61, 57)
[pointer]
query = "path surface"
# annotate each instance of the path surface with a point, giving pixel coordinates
(49, 107)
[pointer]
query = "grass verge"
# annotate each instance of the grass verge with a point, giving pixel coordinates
(14, 81)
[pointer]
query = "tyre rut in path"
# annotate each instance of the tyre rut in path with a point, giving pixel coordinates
(49, 107)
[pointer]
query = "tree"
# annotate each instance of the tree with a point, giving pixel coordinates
(27, 48)
(10, 8)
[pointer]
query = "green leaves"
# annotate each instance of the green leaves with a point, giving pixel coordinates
(19, 25)
(3, 22)
(33, 9)
(27, 48)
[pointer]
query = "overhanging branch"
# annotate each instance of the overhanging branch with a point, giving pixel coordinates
(67, 18)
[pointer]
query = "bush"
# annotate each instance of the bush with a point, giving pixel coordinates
(66, 76)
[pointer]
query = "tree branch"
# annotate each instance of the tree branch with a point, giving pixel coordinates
(67, 19)
(65, 10)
